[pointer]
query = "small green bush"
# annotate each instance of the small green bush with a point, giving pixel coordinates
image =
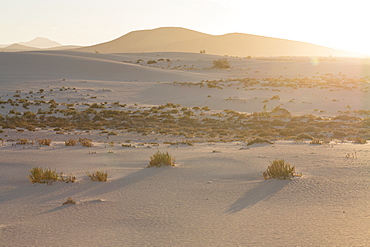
(161, 159)
(151, 62)
(98, 176)
(279, 169)
(43, 176)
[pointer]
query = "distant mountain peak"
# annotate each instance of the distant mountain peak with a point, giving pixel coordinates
(40, 42)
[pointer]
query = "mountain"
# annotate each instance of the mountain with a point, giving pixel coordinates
(18, 47)
(175, 39)
(41, 43)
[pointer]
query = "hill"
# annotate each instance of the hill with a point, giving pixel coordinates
(41, 43)
(18, 47)
(174, 39)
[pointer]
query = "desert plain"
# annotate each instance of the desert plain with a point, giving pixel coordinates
(313, 111)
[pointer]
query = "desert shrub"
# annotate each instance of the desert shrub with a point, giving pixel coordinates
(304, 136)
(43, 176)
(24, 142)
(151, 62)
(98, 176)
(85, 142)
(316, 142)
(45, 142)
(113, 133)
(161, 159)
(69, 201)
(221, 63)
(127, 145)
(275, 97)
(70, 142)
(70, 178)
(281, 112)
(279, 169)
(359, 140)
(258, 141)
(96, 105)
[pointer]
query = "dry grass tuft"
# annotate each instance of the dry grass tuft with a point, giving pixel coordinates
(43, 176)
(359, 140)
(161, 159)
(85, 142)
(70, 142)
(316, 142)
(69, 201)
(279, 169)
(24, 142)
(44, 142)
(258, 141)
(98, 176)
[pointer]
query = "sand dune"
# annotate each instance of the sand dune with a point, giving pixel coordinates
(82, 66)
(215, 195)
(173, 39)
(18, 47)
(209, 199)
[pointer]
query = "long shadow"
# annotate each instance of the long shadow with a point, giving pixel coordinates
(87, 188)
(132, 178)
(95, 189)
(263, 191)
(57, 208)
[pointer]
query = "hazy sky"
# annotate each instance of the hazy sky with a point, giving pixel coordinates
(339, 24)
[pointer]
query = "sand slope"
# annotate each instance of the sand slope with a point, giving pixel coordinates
(184, 40)
(215, 195)
(208, 199)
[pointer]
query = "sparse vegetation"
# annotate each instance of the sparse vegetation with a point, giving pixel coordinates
(70, 142)
(316, 142)
(98, 176)
(161, 159)
(44, 142)
(359, 140)
(221, 63)
(69, 178)
(279, 169)
(24, 142)
(69, 201)
(85, 142)
(258, 141)
(43, 176)
(304, 136)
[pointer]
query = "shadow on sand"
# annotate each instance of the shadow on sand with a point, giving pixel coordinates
(263, 191)
(96, 189)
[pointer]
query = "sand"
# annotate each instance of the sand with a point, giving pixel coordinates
(215, 195)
